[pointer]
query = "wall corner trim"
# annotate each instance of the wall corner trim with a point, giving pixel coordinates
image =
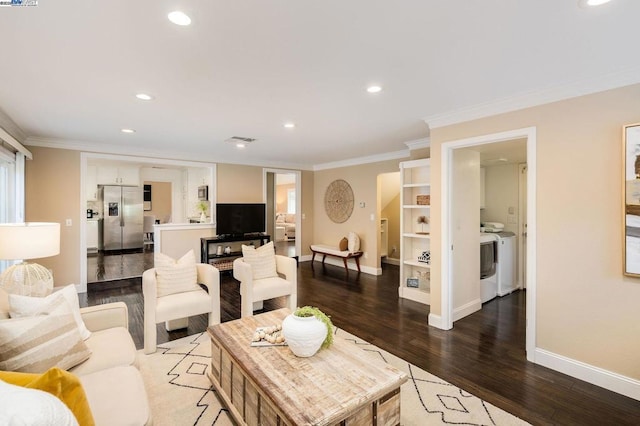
(595, 375)
(467, 309)
(436, 321)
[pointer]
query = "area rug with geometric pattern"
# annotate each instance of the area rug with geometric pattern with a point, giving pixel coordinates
(180, 392)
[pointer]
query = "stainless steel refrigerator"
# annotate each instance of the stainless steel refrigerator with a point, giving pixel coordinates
(123, 217)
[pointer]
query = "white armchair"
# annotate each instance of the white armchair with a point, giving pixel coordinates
(175, 309)
(254, 291)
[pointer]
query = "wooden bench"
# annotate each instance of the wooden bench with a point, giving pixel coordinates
(326, 250)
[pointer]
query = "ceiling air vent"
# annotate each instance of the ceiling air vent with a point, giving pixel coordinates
(240, 139)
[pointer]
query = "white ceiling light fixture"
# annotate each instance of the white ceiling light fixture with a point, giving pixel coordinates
(179, 18)
(592, 3)
(289, 125)
(144, 96)
(127, 130)
(374, 89)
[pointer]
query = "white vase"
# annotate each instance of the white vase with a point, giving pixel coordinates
(304, 335)
(203, 217)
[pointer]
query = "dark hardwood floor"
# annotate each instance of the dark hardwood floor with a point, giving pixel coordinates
(483, 354)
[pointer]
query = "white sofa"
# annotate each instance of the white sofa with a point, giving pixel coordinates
(110, 377)
(288, 222)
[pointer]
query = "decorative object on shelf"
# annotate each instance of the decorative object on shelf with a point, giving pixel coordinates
(425, 257)
(219, 250)
(306, 330)
(227, 250)
(202, 207)
(338, 201)
(424, 278)
(422, 220)
(423, 200)
(413, 282)
(32, 240)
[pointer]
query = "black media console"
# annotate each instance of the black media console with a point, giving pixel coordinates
(224, 261)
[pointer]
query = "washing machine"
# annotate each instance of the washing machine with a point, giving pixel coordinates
(506, 263)
(488, 266)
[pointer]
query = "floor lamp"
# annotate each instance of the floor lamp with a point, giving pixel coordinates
(31, 240)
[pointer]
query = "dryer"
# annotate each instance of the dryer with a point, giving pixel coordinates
(488, 266)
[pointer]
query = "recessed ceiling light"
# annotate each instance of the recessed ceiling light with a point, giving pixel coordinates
(179, 18)
(374, 89)
(127, 131)
(144, 96)
(592, 3)
(289, 125)
(240, 145)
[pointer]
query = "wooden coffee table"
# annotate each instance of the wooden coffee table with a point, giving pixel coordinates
(271, 386)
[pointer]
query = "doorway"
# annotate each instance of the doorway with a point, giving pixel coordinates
(451, 240)
(389, 214)
(180, 178)
(282, 195)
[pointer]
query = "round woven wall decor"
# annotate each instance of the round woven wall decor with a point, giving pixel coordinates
(338, 201)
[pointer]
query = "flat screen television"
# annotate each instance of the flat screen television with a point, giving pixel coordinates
(240, 219)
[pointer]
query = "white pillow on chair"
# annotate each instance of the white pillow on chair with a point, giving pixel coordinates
(353, 242)
(262, 260)
(176, 276)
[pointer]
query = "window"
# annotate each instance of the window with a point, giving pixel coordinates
(291, 201)
(11, 191)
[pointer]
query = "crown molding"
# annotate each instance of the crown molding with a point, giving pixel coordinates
(535, 98)
(395, 155)
(11, 127)
(419, 144)
(147, 153)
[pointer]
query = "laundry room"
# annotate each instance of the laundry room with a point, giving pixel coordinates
(502, 226)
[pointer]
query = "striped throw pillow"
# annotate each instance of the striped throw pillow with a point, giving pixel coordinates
(176, 276)
(261, 259)
(48, 339)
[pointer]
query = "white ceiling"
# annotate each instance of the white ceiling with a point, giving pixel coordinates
(70, 69)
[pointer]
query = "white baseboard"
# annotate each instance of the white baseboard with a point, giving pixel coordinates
(468, 309)
(305, 258)
(600, 377)
(391, 261)
(350, 264)
(435, 321)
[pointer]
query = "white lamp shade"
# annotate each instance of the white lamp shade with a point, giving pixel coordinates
(31, 240)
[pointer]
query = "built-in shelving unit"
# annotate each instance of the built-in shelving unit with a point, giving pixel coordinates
(415, 194)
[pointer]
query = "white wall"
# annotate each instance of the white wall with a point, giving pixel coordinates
(501, 193)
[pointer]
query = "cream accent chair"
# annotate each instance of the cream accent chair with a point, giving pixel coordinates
(253, 292)
(175, 309)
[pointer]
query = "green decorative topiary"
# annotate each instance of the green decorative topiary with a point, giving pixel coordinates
(309, 311)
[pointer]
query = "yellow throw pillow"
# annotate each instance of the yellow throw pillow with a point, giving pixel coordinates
(62, 384)
(344, 244)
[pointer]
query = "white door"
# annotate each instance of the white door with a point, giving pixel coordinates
(465, 215)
